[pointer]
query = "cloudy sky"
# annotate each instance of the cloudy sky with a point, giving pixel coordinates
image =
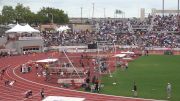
(73, 7)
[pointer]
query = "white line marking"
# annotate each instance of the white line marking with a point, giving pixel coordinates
(76, 90)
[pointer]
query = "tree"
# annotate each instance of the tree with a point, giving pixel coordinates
(1, 19)
(30, 18)
(53, 15)
(23, 14)
(118, 12)
(8, 14)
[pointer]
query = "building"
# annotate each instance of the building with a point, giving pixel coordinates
(23, 39)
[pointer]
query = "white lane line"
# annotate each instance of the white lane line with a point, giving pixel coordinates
(78, 91)
(9, 71)
(22, 83)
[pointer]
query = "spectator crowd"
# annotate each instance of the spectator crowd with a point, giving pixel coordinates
(153, 31)
(164, 33)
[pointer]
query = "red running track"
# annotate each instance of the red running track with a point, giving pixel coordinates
(30, 81)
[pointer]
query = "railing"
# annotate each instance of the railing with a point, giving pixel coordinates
(175, 32)
(68, 81)
(30, 38)
(140, 27)
(162, 48)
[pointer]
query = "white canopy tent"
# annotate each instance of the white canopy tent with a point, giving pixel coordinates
(30, 29)
(21, 29)
(11, 25)
(119, 55)
(61, 98)
(18, 28)
(66, 27)
(47, 60)
(128, 52)
(60, 29)
(128, 58)
(63, 28)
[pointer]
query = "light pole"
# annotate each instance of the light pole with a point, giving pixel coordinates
(123, 14)
(163, 7)
(81, 14)
(93, 11)
(178, 14)
(104, 13)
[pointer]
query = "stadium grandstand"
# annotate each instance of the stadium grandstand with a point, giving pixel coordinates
(83, 59)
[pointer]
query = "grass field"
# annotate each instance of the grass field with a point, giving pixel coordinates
(151, 73)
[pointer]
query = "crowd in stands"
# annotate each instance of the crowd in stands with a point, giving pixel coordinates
(138, 22)
(67, 38)
(117, 31)
(166, 23)
(157, 30)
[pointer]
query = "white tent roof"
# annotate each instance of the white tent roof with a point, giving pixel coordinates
(47, 60)
(119, 55)
(66, 27)
(20, 29)
(17, 28)
(30, 29)
(62, 28)
(128, 52)
(61, 98)
(11, 25)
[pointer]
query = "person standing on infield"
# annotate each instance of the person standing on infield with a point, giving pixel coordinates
(134, 89)
(168, 89)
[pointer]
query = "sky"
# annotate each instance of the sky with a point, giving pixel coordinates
(73, 7)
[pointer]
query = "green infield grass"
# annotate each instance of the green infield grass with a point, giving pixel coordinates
(151, 74)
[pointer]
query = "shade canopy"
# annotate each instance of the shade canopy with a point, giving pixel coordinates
(61, 98)
(30, 29)
(21, 29)
(127, 58)
(17, 28)
(128, 52)
(63, 28)
(47, 60)
(119, 55)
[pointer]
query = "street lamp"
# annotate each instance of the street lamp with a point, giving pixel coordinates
(178, 15)
(93, 11)
(163, 7)
(81, 14)
(104, 13)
